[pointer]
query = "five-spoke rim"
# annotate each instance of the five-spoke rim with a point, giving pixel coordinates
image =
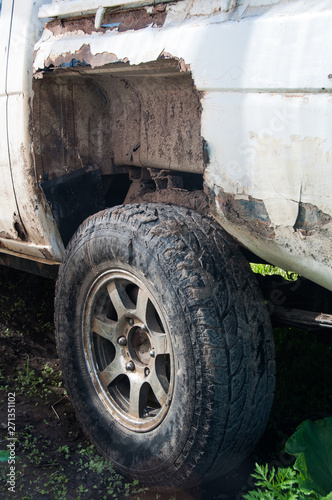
(128, 351)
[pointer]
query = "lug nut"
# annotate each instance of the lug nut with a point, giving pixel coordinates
(130, 366)
(152, 353)
(131, 321)
(122, 340)
(144, 328)
(147, 372)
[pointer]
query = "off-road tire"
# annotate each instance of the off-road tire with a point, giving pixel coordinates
(222, 370)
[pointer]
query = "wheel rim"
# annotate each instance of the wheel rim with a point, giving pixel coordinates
(128, 351)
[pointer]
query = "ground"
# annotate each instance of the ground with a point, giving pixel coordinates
(52, 457)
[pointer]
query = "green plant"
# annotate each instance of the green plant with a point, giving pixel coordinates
(64, 449)
(29, 382)
(109, 480)
(267, 269)
(4, 455)
(311, 444)
(280, 484)
(311, 475)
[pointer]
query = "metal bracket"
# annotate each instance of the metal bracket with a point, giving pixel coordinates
(99, 17)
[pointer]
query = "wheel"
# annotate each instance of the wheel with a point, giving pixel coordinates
(165, 343)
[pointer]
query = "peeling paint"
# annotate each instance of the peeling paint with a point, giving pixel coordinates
(310, 219)
(121, 21)
(306, 253)
(81, 58)
(244, 210)
(239, 91)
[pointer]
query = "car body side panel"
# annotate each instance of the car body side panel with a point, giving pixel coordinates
(35, 234)
(264, 77)
(8, 206)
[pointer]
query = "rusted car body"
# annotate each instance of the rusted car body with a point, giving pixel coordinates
(217, 105)
(238, 93)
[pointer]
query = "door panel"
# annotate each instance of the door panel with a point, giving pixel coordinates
(8, 206)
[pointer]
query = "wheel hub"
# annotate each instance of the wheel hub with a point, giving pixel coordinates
(128, 350)
(140, 345)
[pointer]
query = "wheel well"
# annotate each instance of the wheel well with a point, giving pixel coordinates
(84, 192)
(121, 134)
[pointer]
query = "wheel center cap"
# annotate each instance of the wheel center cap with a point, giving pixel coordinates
(139, 345)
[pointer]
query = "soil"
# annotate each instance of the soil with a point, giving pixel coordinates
(52, 457)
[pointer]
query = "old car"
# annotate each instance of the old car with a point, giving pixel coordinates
(148, 149)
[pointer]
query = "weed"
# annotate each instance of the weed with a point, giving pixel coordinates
(280, 484)
(65, 450)
(267, 269)
(53, 470)
(311, 475)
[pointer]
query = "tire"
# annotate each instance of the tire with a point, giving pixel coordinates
(165, 343)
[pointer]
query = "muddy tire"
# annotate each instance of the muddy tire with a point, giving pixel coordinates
(165, 343)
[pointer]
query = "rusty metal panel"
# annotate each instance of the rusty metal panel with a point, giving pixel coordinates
(118, 120)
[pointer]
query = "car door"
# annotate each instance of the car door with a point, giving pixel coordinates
(8, 206)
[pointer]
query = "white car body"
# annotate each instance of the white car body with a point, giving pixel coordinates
(262, 70)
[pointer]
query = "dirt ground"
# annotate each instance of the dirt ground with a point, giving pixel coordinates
(49, 451)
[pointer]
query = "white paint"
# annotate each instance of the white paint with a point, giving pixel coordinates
(99, 17)
(259, 53)
(7, 196)
(15, 152)
(79, 7)
(282, 149)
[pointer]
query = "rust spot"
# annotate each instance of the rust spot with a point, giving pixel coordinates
(122, 21)
(248, 212)
(163, 186)
(19, 227)
(46, 254)
(310, 219)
